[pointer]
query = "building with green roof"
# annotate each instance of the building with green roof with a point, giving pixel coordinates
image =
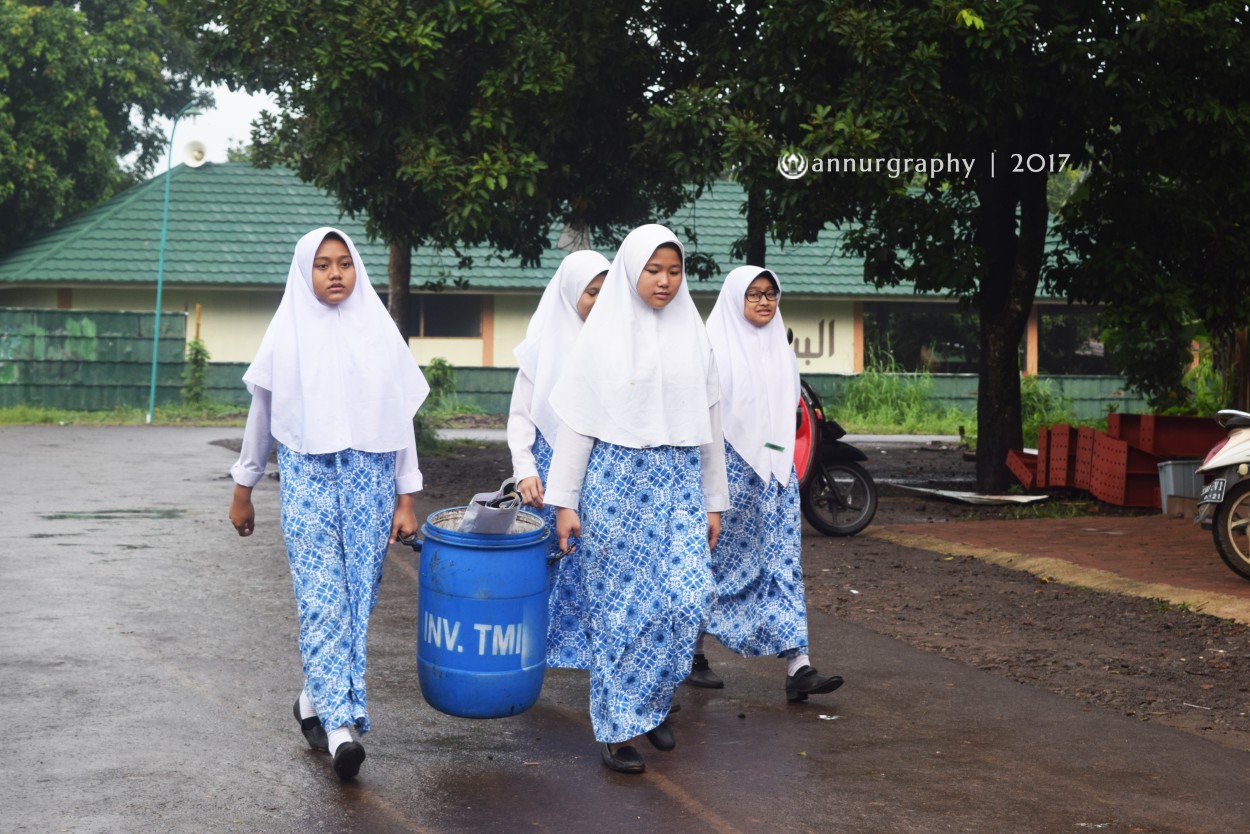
(232, 230)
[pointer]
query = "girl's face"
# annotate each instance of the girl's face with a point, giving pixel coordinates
(588, 296)
(660, 278)
(757, 307)
(333, 272)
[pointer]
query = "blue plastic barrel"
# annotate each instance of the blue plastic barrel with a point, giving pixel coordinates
(482, 616)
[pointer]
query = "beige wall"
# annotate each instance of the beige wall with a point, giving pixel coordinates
(467, 352)
(234, 320)
(824, 335)
(824, 332)
(512, 316)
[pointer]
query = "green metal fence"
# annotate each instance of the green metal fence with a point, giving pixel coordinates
(1090, 396)
(88, 361)
(489, 389)
(224, 382)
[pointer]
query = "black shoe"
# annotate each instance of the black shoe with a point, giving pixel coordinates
(347, 760)
(313, 732)
(661, 737)
(809, 682)
(701, 675)
(624, 760)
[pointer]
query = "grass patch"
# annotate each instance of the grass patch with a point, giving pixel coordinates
(1051, 509)
(1162, 606)
(206, 414)
(1043, 406)
(449, 411)
(884, 399)
(457, 448)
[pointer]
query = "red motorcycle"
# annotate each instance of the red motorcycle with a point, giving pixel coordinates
(837, 495)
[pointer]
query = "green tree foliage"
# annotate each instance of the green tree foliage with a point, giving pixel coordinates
(81, 85)
(938, 81)
(1038, 88)
(239, 153)
(441, 376)
(1159, 231)
(735, 94)
(451, 123)
(195, 375)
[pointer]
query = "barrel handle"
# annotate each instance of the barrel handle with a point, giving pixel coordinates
(412, 541)
(574, 541)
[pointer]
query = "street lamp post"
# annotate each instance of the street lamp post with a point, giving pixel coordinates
(187, 110)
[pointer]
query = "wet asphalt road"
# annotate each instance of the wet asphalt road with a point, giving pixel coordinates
(149, 665)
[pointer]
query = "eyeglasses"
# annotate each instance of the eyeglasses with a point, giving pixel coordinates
(756, 295)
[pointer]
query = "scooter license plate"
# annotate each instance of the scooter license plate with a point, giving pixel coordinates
(1213, 493)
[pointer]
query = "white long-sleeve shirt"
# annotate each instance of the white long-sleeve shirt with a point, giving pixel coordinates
(258, 442)
(521, 429)
(572, 453)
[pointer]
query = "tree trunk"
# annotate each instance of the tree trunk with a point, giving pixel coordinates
(1241, 367)
(398, 281)
(757, 227)
(1005, 300)
(998, 401)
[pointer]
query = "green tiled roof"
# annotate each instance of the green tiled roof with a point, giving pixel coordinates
(234, 225)
(229, 224)
(816, 268)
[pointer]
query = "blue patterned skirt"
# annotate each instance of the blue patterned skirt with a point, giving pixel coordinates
(645, 581)
(760, 607)
(336, 519)
(568, 630)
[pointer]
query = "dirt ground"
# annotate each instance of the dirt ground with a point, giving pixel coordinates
(1141, 658)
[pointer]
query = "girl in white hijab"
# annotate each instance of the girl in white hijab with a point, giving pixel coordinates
(759, 607)
(639, 473)
(532, 427)
(334, 384)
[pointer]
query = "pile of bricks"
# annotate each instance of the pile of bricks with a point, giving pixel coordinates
(1119, 466)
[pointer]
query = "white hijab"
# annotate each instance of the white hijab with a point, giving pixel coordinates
(759, 379)
(551, 332)
(637, 376)
(341, 375)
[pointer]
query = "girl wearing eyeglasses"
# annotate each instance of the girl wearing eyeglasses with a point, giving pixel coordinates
(759, 607)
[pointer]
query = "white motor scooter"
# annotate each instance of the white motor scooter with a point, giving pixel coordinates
(1225, 501)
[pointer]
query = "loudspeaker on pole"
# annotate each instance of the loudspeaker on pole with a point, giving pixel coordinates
(194, 154)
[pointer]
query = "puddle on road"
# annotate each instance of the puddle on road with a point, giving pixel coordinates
(114, 515)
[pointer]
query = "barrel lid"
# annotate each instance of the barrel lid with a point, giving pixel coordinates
(445, 524)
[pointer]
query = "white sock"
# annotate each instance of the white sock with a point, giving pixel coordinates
(796, 663)
(698, 643)
(342, 735)
(306, 708)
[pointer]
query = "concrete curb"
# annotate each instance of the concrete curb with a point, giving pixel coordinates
(1206, 602)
